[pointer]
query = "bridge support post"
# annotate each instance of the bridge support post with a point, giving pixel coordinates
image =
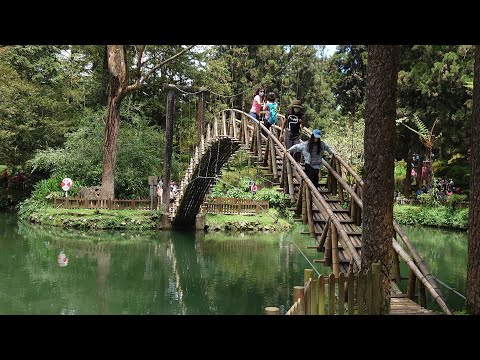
(200, 222)
(411, 285)
(165, 223)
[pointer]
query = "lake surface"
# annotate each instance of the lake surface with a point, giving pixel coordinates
(169, 272)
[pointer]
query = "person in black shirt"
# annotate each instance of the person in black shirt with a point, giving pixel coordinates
(292, 126)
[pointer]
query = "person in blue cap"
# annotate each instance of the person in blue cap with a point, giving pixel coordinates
(312, 151)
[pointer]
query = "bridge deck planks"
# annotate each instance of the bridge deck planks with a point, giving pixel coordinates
(400, 305)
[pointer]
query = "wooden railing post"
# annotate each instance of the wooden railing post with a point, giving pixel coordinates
(328, 247)
(341, 294)
(224, 123)
(272, 310)
(331, 294)
(259, 143)
(321, 295)
(422, 296)
(411, 285)
(291, 190)
(335, 257)
(308, 201)
(304, 203)
(298, 293)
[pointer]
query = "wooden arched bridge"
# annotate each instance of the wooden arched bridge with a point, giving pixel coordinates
(335, 228)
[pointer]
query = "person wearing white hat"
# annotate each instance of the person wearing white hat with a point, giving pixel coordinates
(312, 151)
(292, 125)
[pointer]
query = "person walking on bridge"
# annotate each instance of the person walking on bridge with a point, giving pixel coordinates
(312, 151)
(257, 103)
(291, 128)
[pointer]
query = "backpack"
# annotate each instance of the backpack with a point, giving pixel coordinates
(272, 113)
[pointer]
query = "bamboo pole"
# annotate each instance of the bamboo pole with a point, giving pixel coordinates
(335, 260)
(308, 200)
(422, 297)
(298, 207)
(411, 285)
(328, 248)
(209, 133)
(357, 178)
(358, 215)
(321, 242)
(340, 186)
(416, 257)
(253, 143)
(273, 157)
(245, 132)
(224, 123)
(396, 265)
(215, 127)
(304, 204)
(266, 155)
(234, 124)
(282, 176)
(334, 183)
(259, 143)
(411, 264)
(291, 190)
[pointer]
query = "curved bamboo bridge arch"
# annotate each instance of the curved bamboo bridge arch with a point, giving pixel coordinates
(335, 228)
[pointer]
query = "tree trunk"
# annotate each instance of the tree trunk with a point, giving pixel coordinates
(117, 85)
(473, 267)
(379, 146)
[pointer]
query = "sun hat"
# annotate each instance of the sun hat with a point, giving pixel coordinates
(297, 104)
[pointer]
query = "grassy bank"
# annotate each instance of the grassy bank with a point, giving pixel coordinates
(259, 222)
(97, 219)
(150, 220)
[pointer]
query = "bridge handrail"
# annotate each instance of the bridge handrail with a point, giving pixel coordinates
(318, 199)
(417, 259)
(417, 265)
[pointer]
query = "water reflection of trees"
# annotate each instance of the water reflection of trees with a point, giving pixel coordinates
(255, 269)
(107, 272)
(149, 273)
(445, 253)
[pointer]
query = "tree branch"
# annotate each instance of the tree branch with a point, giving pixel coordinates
(140, 82)
(140, 50)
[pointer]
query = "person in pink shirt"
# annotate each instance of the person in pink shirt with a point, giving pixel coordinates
(257, 103)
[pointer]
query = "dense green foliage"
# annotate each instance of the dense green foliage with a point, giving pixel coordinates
(53, 103)
(80, 159)
(440, 216)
